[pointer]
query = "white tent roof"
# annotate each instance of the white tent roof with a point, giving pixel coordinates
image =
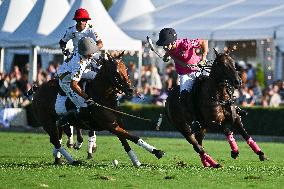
(123, 10)
(113, 37)
(212, 19)
(45, 16)
(12, 14)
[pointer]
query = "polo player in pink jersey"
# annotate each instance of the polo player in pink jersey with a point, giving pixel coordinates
(183, 52)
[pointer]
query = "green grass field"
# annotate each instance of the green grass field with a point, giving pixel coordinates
(26, 162)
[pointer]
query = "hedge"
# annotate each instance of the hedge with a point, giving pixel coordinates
(259, 121)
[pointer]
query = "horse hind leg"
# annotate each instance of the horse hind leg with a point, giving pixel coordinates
(206, 159)
(252, 144)
(134, 159)
(80, 139)
(92, 144)
(120, 132)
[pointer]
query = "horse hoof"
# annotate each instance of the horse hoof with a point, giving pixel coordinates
(234, 155)
(94, 149)
(217, 166)
(261, 156)
(57, 161)
(69, 145)
(77, 146)
(76, 162)
(158, 153)
(89, 156)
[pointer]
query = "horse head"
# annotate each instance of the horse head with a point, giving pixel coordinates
(116, 73)
(224, 70)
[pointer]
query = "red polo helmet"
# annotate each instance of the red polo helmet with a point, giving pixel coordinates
(81, 14)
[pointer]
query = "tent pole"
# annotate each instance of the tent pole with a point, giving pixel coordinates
(139, 68)
(33, 64)
(2, 51)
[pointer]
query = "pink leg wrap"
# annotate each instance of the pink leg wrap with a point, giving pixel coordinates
(209, 160)
(232, 142)
(253, 145)
(204, 162)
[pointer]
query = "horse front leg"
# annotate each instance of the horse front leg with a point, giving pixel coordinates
(206, 159)
(80, 139)
(130, 152)
(54, 134)
(121, 133)
(68, 130)
(253, 145)
(231, 140)
(92, 144)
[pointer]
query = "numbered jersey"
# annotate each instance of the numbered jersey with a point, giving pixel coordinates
(72, 33)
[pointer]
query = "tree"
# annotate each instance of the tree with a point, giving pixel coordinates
(107, 4)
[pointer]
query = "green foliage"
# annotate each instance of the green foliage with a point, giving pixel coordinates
(260, 75)
(26, 162)
(107, 4)
(260, 121)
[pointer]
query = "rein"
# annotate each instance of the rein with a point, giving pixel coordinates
(122, 113)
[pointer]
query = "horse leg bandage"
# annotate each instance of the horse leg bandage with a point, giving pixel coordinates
(134, 158)
(253, 145)
(56, 153)
(204, 162)
(210, 160)
(145, 145)
(66, 155)
(231, 140)
(91, 144)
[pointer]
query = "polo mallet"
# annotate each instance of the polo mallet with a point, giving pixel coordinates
(152, 47)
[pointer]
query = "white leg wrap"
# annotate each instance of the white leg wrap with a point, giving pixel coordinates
(56, 153)
(95, 139)
(145, 145)
(91, 143)
(66, 155)
(134, 158)
(60, 141)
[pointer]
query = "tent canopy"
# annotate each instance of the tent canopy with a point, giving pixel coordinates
(113, 37)
(39, 23)
(12, 14)
(211, 19)
(123, 10)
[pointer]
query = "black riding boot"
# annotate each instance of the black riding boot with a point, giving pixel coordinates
(241, 112)
(186, 99)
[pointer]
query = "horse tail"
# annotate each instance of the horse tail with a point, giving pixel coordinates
(30, 92)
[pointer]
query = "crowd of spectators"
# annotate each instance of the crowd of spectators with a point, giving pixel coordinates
(154, 85)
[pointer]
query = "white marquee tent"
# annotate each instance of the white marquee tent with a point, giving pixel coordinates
(123, 10)
(211, 19)
(216, 20)
(35, 31)
(9, 21)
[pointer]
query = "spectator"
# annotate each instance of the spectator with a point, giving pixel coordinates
(275, 99)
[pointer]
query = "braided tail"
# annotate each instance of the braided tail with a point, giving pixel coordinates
(30, 92)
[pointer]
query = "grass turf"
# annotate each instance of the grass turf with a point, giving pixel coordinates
(26, 162)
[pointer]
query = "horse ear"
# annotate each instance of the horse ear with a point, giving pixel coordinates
(216, 52)
(120, 55)
(108, 56)
(228, 50)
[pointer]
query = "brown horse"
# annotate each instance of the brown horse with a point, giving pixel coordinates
(112, 79)
(213, 102)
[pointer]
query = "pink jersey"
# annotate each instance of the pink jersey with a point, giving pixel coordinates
(185, 52)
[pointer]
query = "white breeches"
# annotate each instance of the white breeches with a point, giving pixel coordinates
(74, 97)
(187, 80)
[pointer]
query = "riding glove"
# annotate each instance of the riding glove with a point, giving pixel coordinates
(90, 102)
